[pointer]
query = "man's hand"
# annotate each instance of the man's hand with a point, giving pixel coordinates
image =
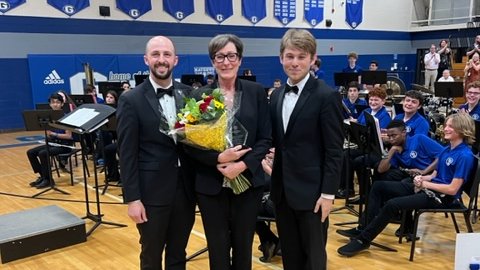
(232, 169)
(396, 148)
(326, 205)
(232, 154)
(136, 211)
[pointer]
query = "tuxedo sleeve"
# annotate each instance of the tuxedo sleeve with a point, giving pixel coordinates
(333, 137)
(128, 145)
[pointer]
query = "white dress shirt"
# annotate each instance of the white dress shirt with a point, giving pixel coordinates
(168, 105)
(431, 61)
(449, 79)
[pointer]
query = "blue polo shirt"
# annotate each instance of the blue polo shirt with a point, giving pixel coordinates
(382, 116)
(475, 113)
(355, 69)
(351, 106)
(415, 125)
(418, 152)
(454, 163)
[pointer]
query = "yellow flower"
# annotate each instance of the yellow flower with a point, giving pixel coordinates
(218, 104)
(191, 118)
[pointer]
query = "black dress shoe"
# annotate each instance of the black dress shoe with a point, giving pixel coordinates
(353, 248)
(356, 200)
(269, 251)
(36, 182)
(408, 234)
(342, 193)
(43, 184)
(352, 233)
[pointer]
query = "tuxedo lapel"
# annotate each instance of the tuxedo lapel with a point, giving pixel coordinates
(155, 104)
(179, 96)
(302, 99)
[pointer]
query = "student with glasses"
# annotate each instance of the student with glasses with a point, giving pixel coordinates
(473, 96)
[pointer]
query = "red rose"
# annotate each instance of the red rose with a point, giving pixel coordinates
(207, 99)
(204, 106)
(179, 125)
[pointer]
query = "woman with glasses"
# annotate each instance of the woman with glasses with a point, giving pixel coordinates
(229, 219)
(473, 96)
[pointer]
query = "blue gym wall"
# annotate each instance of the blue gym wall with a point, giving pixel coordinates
(21, 35)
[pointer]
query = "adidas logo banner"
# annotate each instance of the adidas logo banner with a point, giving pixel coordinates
(53, 78)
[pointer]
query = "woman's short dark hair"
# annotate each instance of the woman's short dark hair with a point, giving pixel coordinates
(220, 41)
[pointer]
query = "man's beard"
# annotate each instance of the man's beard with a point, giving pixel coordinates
(160, 76)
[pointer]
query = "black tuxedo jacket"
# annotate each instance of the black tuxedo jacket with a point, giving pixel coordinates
(148, 157)
(308, 156)
(254, 116)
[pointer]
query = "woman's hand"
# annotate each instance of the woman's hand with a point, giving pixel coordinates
(232, 154)
(232, 169)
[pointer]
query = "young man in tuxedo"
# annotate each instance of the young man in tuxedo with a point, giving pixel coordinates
(158, 185)
(307, 129)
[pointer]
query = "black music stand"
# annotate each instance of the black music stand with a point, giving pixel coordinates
(85, 120)
(344, 78)
(354, 132)
(375, 146)
(104, 87)
(39, 120)
(448, 90)
(372, 77)
(82, 99)
(189, 79)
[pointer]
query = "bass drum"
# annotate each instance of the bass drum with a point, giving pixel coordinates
(395, 86)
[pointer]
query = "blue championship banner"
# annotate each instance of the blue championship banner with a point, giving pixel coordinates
(313, 11)
(354, 12)
(6, 5)
(69, 7)
(219, 10)
(284, 10)
(136, 8)
(254, 10)
(179, 9)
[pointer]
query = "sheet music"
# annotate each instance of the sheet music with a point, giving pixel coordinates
(379, 136)
(80, 117)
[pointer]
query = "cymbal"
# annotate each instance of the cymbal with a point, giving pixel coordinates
(421, 88)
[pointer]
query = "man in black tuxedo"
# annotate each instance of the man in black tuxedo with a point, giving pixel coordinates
(158, 186)
(308, 140)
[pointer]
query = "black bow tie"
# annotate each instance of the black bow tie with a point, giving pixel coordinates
(162, 91)
(293, 89)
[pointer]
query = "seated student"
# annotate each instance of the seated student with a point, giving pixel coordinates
(407, 155)
(355, 157)
(38, 156)
(415, 122)
(126, 86)
(454, 166)
(91, 90)
(446, 76)
(315, 70)
(376, 102)
(473, 96)
(210, 79)
(106, 137)
(352, 100)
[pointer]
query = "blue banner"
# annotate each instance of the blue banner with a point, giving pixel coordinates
(219, 10)
(313, 11)
(69, 7)
(254, 10)
(179, 9)
(354, 12)
(284, 10)
(136, 8)
(6, 5)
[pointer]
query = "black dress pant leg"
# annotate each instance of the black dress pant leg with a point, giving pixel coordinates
(32, 155)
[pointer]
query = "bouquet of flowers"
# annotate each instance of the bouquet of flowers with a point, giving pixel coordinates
(207, 124)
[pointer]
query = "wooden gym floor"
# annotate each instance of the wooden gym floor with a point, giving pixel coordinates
(118, 248)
